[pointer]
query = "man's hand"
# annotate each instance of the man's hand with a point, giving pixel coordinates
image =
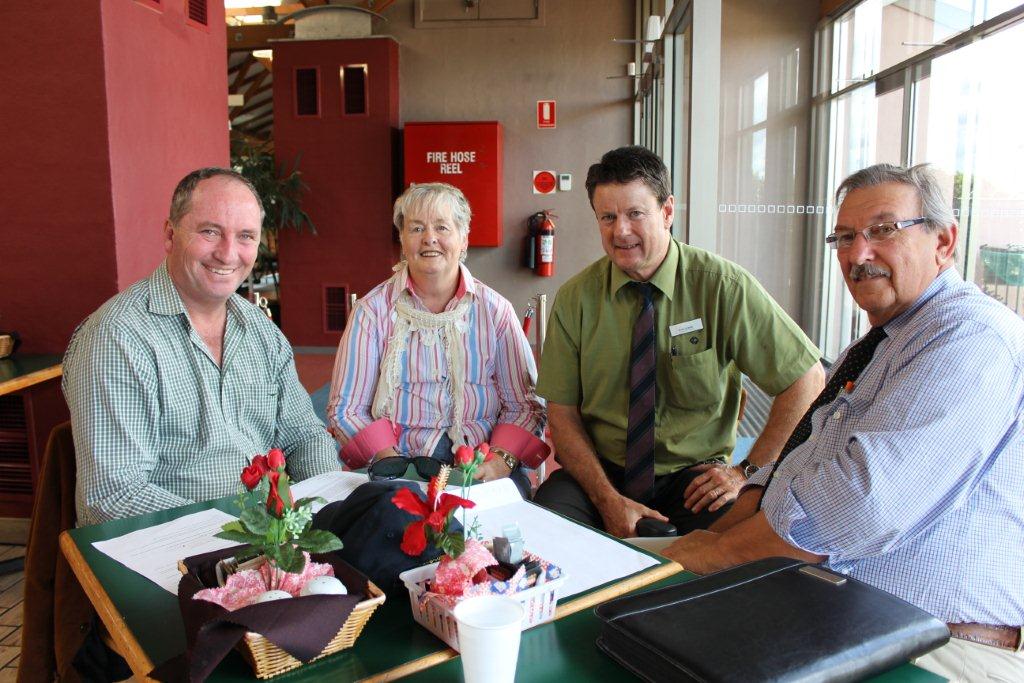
(495, 468)
(620, 515)
(695, 551)
(716, 486)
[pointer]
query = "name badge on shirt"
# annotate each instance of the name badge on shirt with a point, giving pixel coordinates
(688, 326)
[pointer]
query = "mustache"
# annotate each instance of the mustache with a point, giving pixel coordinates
(861, 271)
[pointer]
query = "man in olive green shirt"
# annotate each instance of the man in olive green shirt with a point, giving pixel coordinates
(713, 321)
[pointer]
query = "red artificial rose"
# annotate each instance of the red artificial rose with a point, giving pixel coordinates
(275, 505)
(251, 476)
(464, 456)
(485, 450)
(261, 462)
(275, 458)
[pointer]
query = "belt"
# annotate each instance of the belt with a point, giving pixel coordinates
(1006, 637)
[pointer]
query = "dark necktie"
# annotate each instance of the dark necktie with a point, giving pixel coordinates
(849, 370)
(638, 480)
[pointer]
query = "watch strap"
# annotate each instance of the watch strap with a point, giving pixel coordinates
(510, 460)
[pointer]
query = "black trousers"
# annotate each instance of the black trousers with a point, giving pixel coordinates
(562, 494)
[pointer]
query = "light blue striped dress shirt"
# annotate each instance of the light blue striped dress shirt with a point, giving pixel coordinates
(914, 480)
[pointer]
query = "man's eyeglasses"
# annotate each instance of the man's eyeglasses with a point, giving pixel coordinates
(395, 467)
(844, 239)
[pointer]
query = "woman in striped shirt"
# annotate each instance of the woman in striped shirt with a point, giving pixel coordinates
(432, 358)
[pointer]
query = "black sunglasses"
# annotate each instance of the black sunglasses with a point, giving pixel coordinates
(393, 468)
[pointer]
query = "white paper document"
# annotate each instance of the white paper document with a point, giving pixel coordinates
(331, 486)
(154, 552)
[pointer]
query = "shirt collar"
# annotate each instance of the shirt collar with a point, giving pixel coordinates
(467, 285)
(163, 296)
(944, 280)
(664, 278)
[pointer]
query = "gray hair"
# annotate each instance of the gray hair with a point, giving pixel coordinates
(181, 200)
(427, 196)
(934, 205)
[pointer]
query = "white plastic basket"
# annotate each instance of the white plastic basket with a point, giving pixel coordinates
(538, 604)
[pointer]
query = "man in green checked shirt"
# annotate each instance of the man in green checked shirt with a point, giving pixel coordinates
(175, 382)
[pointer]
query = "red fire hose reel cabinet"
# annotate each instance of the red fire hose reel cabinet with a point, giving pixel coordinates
(467, 155)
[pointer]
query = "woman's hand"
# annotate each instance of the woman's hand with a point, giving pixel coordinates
(495, 468)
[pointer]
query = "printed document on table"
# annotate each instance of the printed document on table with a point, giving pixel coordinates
(330, 486)
(154, 552)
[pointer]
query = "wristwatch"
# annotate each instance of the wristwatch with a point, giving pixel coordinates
(748, 468)
(509, 459)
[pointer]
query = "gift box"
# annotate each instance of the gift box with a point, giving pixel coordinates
(434, 612)
(277, 636)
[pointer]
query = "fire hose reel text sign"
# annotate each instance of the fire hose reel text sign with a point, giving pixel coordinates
(450, 162)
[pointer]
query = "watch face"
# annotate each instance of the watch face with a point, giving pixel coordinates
(750, 470)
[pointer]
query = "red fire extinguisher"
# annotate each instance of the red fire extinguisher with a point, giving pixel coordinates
(542, 239)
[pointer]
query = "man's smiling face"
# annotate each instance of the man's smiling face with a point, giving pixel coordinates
(634, 227)
(212, 249)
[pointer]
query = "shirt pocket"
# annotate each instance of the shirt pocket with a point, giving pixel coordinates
(695, 381)
(257, 406)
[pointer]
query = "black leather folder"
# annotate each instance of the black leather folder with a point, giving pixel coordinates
(772, 620)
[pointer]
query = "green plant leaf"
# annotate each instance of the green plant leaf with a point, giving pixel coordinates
(233, 526)
(319, 541)
(290, 559)
(237, 536)
(256, 520)
(309, 501)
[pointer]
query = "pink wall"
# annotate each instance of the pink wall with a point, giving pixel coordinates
(107, 105)
(167, 112)
(57, 258)
(347, 161)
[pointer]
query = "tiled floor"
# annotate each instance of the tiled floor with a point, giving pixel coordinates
(11, 589)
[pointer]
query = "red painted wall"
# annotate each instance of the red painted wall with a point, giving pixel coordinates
(348, 163)
(107, 105)
(56, 233)
(166, 83)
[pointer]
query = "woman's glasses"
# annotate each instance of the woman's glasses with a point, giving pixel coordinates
(395, 467)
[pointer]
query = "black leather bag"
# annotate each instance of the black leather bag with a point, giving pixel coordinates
(772, 620)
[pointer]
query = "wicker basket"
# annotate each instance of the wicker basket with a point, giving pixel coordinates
(269, 660)
(6, 345)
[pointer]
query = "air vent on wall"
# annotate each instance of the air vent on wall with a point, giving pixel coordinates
(354, 89)
(307, 92)
(197, 11)
(335, 308)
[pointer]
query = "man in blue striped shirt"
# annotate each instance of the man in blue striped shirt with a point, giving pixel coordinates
(911, 475)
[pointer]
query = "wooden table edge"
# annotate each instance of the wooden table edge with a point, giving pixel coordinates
(128, 646)
(31, 379)
(618, 588)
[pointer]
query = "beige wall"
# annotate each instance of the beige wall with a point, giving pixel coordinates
(767, 58)
(466, 74)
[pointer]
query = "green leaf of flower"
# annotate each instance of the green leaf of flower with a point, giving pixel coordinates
(236, 536)
(256, 520)
(319, 541)
(302, 502)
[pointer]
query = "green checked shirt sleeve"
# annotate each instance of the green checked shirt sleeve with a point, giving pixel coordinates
(158, 424)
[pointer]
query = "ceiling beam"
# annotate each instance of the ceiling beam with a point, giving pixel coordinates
(287, 8)
(250, 101)
(257, 36)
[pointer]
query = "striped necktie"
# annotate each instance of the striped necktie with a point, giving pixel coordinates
(849, 370)
(638, 481)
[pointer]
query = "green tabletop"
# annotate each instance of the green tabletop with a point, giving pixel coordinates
(391, 637)
(21, 364)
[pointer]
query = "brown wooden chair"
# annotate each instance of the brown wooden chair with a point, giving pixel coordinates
(57, 614)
